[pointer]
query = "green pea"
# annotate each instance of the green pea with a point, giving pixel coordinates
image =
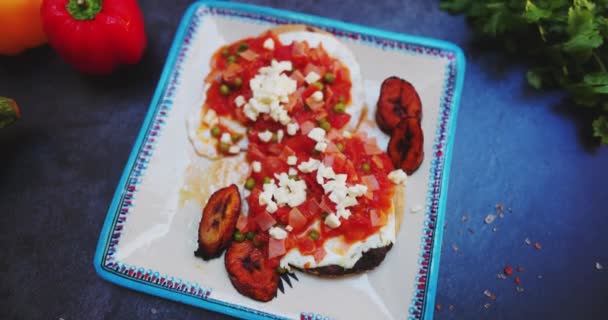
(324, 124)
(231, 59)
(224, 147)
(329, 77)
(318, 84)
(281, 270)
(237, 82)
(225, 52)
(275, 137)
(340, 146)
(224, 90)
(236, 137)
(266, 180)
(257, 242)
(216, 131)
(243, 46)
(314, 235)
(239, 236)
(250, 235)
(366, 167)
(339, 108)
(250, 183)
(294, 177)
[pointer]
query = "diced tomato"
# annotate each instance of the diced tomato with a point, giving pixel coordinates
(248, 55)
(314, 104)
(309, 208)
(307, 126)
(321, 114)
(339, 120)
(241, 223)
(334, 134)
(286, 152)
(276, 248)
(298, 76)
(319, 254)
(371, 147)
(306, 245)
(331, 148)
(326, 205)
(254, 153)
(328, 160)
(296, 219)
(264, 220)
(314, 68)
(374, 218)
(378, 162)
(232, 72)
(272, 165)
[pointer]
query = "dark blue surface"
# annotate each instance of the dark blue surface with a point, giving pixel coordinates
(59, 167)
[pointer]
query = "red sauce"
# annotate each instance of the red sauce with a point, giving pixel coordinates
(242, 60)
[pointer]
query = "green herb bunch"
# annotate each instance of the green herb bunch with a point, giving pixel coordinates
(566, 42)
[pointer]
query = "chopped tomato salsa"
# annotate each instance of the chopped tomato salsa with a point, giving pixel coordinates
(277, 149)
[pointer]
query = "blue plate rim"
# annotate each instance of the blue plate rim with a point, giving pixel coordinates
(219, 306)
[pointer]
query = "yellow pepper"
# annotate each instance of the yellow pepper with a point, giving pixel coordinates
(20, 25)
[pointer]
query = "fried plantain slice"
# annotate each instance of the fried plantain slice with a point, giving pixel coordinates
(398, 100)
(218, 222)
(249, 271)
(405, 148)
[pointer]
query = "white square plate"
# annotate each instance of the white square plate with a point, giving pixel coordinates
(149, 236)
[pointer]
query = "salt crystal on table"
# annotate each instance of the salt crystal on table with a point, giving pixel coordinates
(489, 218)
(494, 229)
(501, 276)
(599, 266)
(154, 311)
(527, 241)
(451, 308)
(464, 218)
(519, 289)
(454, 247)
(487, 305)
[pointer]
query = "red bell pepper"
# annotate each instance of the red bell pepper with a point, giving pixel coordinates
(95, 36)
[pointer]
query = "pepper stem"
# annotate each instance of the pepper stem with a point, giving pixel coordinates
(84, 9)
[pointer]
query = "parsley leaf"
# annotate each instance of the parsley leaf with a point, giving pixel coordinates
(565, 42)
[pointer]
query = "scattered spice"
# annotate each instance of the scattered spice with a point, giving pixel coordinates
(538, 246)
(508, 270)
(500, 210)
(517, 281)
(527, 241)
(599, 266)
(438, 307)
(489, 294)
(520, 269)
(489, 218)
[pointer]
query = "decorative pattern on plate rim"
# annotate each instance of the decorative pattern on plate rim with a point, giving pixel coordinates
(162, 109)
